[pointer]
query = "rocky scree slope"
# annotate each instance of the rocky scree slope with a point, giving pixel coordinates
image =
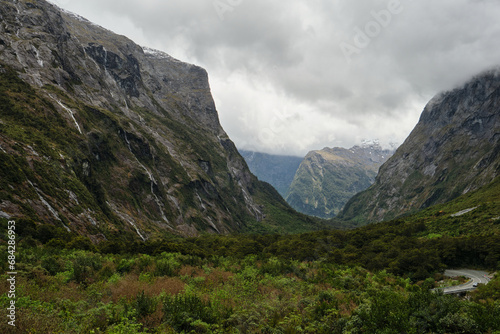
(454, 149)
(328, 178)
(104, 137)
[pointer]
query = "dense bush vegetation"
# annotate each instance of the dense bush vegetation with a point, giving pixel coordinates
(372, 280)
(400, 247)
(375, 279)
(76, 291)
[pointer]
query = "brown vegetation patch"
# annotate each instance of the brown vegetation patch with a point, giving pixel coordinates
(130, 286)
(28, 321)
(346, 309)
(53, 291)
(218, 277)
(153, 320)
(71, 291)
(191, 271)
(169, 285)
(269, 291)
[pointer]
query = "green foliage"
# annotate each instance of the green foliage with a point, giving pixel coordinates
(188, 312)
(52, 264)
(422, 311)
(491, 291)
(164, 267)
(144, 305)
(126, 326)
(75, 291)
(444, 219)
(81, 243)
(125, 265)
(85, 266)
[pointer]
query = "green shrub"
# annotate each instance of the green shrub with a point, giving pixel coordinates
(52, 265)
(125, 266)
(126, 326)
(143, 261)
(85, 266)
(45, 233)
(112, 247)
(144, 305)
(56, 244)
(82, 243)
(165, 267)
(182, 312)
(106, 272)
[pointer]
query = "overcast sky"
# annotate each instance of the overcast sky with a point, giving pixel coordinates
(297, 75)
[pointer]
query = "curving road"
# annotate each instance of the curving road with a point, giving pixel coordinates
(476, 277)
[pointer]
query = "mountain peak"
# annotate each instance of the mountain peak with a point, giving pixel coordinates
(105, 137)
(327, 178)
(157, 53)
(453, 149)
(366, 143)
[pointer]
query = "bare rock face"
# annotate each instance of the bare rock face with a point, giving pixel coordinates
(104, 135)
(453, 149)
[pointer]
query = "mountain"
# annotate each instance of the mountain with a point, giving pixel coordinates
(106, 138)
(328, 178)
(474, 213)
(277, 170)
(453, 150)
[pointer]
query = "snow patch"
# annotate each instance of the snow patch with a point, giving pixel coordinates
(157, 53)
(365, 143)
(75, 16)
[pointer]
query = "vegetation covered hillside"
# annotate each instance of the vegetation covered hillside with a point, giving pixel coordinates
(328, 178)
(103, 137)
(371, 280)
(454, 149)
(374, 279)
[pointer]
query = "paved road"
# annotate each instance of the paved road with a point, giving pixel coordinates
(475, 276)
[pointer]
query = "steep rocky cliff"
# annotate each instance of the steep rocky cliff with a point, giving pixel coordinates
(454, 149)
(328, 178)
(102, 136)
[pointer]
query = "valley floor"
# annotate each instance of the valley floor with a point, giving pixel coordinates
(82, 291)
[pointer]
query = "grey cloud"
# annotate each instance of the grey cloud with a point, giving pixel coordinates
(265, 54)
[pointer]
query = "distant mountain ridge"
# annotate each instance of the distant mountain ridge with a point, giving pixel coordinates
(328, 178)
(453, 150)
(277, 170)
